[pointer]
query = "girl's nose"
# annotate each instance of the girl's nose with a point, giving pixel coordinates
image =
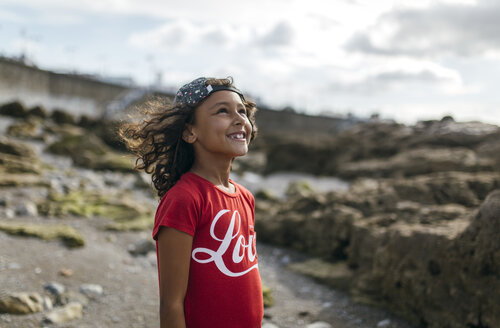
(239, 119)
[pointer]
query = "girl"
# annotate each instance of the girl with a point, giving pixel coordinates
(204, 223)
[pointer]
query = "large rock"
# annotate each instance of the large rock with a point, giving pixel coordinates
(449, 133)
(89, 151)
(16, 148)
(386, 149)
(14, 109)
(30, 129)
(418, 161)
(18, 157)
(436, 275)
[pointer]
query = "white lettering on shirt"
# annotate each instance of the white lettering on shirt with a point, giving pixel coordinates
(239, 250)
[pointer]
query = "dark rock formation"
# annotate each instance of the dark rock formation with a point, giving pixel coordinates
(417, 246)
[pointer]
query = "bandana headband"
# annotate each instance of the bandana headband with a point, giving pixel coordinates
(194, 92)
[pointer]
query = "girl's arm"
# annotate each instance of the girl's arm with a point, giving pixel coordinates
(174, 255)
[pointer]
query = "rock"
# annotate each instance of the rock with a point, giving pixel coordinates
(17, 148)
(30, 129)
(89, 151)
(61, 116)
(142, 247)
(69, 236)
(38, 111)
(71, 296)
(55, 288)
(264, 194)
(65, 272)
(301, 231)
(319, 324)
(294, 154)
(47, 303)
(14, 109)
(9, 213)
(384, 323)
(67, 313)
(268, 296)
(269, 325)
(22, 180)
(27, 208)
(21, 303)
(299, 189)
(452, 134)
(91, 290)
(454, 267)
(16, 164)
(418, 161)
(336, 275)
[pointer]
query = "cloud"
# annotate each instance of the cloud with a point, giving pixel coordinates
(465, 30)
(281, 34)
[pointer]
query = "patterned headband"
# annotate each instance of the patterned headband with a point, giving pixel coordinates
(194, 92)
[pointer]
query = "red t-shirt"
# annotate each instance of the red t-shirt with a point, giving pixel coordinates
(224, 287)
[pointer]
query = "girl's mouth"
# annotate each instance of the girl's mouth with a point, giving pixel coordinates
(238, 136)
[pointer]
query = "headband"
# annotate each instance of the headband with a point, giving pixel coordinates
(194, 92)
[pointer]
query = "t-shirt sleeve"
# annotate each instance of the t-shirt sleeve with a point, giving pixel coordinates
(178, 209)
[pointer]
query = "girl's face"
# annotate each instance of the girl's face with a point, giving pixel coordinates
(221, 126)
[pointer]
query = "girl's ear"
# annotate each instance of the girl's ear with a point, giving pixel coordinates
(188, 134)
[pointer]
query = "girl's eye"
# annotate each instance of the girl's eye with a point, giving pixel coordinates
(222, 110)
(243, 111)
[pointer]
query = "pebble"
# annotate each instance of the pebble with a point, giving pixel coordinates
(55, 288)
(66, 272)
(70, 297)
(13, 266)
(142, 247)
(269, 325)
(91, 290)
(9, 213)
(47, 303)
(152, 258)
(27, 208)
(319, 324)
(383, 323)
(67, 313)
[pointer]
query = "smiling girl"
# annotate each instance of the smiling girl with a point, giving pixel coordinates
(204, 224)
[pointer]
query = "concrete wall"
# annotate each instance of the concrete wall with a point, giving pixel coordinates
(269, 120)
(74, 93)
(83, 95)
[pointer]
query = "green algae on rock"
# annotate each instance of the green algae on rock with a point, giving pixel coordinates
(69, 236)
(22, 180)
(268, 296)
(126, 214)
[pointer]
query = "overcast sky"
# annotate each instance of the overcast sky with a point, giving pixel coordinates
(408, 59)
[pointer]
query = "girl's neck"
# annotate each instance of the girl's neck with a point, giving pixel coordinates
(215, 172)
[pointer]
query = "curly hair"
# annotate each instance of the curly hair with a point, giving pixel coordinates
(157, 141)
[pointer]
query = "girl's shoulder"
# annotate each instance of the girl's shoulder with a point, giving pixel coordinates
(184, 189)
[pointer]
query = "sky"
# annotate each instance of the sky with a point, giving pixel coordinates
(406, 60)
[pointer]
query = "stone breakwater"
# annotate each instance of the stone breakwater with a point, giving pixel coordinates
(417, 231)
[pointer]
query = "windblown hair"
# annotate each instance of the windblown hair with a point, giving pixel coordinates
(157, 141)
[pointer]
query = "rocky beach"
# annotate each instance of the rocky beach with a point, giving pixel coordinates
(388, 225)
